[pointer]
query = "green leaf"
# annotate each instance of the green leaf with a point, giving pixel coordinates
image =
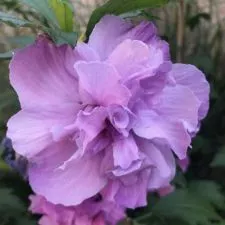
(43, 8)
(64, 14)
(6, 55)
(187, 207)
(13, 20)
(8, 200)
(209, 190)
(61, 37)
(219, 159)
(118, 7)
(21, 41)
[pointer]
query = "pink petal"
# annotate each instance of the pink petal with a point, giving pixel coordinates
(43, 75)
(166, 190)
(101, 82)
(193, 78)
(58, 186)
(184, 163)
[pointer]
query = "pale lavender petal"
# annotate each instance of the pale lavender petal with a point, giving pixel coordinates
(121, 118)
(85, 52)
(193, 78)
(101, 82)
(125, 152)
(91, 123)
(152, 126)
(107, 34)
(112, 30)
(133, 196)
(161, 160)
(179, 103)
(31, 132)
(132, 53)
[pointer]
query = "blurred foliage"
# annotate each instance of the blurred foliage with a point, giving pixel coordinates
(199, 198)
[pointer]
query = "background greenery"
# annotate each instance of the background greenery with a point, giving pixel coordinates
(196, 36)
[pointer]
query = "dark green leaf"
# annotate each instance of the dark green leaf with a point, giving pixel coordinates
(8, 200)
(13, 20)
(118, 7)
(219, 159)
(210, 191)
(187, 207)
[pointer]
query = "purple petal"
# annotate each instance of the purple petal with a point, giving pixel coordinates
(86, 53)
(107, 34)
(152, 126)
(43, 76)
(162, 162)
(112, 30)
(100, 81)
(179, 103)
(58, 186)
(133, 196)
(132, 53)
(30, 132)
(193, 78)
(125, 152)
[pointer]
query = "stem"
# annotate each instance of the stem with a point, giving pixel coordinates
(180, 31)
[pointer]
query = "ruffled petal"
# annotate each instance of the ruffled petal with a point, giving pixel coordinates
(151, 126)
(112, 30)
(107, 34)
(179, 103)
(162, 162)
(43, 76)
(134, 195)
(132, 53)
(99, 83)
(58, 186)
(125, 152)
(193, 78)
